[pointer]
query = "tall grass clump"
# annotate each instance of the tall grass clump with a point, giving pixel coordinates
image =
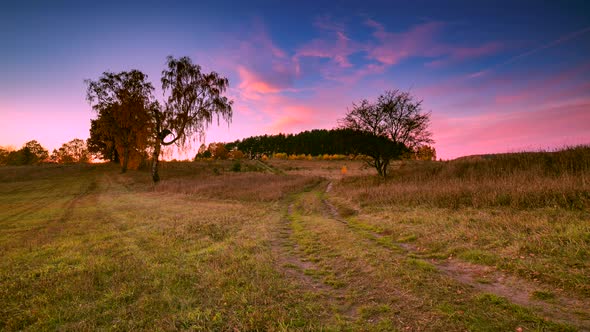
(520, 180)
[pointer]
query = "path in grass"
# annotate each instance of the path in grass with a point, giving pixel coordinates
(479, 278)
(382, 285)
(92, 249)
(89, 248)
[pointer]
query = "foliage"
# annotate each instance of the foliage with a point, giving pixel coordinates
(218, 151)
(74, 151)
(237, 166)
(235, 154)
(317, 142)
(124, 126)
(102, 142)
(31, 153)
(424, 152)
(4, 153)
(39, 151)
(193, 99)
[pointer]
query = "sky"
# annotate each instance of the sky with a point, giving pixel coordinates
(497, 76)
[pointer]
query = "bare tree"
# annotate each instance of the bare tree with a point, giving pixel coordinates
(395, 116)
(192, 100)
(405, 122)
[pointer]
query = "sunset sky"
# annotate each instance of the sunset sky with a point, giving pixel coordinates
(498, 76)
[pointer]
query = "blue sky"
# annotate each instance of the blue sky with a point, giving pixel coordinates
(497, 75)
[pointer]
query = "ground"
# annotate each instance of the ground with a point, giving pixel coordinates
(281, 245)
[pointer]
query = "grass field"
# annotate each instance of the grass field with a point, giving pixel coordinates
(298, 245)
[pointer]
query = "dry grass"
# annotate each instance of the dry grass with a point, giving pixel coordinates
(525, 213)
(91, 249)
(329, 169)
(238, 186)
(522, 180)
(87, 248)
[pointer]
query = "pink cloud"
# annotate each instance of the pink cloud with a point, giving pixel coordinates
(252, 85)
(326, 22)
(394, 47)
(337, 49)
(293, 119)
(422, 40)
(546, 126)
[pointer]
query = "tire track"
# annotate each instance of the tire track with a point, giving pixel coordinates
(561, 309)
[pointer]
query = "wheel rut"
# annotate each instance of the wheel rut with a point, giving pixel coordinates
(486, 279)
(293, 262)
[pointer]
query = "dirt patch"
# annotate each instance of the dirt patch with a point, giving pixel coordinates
(488, 279)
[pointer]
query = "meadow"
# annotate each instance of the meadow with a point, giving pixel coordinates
(490, 243)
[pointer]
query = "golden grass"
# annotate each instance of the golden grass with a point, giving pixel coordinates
(523, 180)
(94, 249)
(526, 213)
(84, 247)
(238, 186)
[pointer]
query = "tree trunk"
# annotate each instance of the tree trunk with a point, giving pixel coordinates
(125, 159)
(379, 166)
(385, 165)
(155, 161)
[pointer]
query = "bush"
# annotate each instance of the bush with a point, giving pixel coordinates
(236, 167)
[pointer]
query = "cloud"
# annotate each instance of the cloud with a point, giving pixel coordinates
(253, 86)
(546, 126)
(293, 119)
(470, 115)
(394, 47)
(328, 23)
(423, 40)
(337, 49)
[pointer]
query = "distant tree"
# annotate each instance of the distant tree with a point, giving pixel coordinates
(123, 103)
(36, 149)
(21, 157)
(235, 154)
(74, 151)
(202, 148)
(397, 117)
(218, 151)
(193, 99)
(31, 153)
(4, 152)
(424, 152)
(61, 156)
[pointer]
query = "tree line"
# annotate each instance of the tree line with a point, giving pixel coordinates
(392, 127)
(316, 142)
(32, 153)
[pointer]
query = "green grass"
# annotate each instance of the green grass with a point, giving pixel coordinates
(84, 247)
(93, 249)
